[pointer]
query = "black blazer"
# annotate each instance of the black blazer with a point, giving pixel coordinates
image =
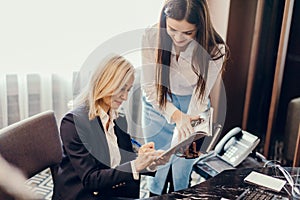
(85, 171)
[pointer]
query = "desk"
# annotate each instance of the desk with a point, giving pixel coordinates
(228, 184)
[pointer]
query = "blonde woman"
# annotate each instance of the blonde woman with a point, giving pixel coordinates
(98, 160)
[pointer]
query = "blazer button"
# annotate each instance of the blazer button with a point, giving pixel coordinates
(95, 193)
(124, 183)
(113, 187)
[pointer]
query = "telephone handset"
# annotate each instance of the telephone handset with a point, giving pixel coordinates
(235, 146)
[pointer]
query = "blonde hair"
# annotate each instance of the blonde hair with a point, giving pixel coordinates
(109, 77)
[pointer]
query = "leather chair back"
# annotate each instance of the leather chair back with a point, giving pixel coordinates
(32, 144)
(291, 130)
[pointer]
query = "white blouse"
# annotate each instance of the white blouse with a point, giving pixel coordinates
(115, 156)
(112, 141)
(183, 80)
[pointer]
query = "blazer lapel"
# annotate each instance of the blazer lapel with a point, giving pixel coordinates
(92, 135)
(124, 142)
(101, 145)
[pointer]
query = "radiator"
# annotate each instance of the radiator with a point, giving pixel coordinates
(23, 95)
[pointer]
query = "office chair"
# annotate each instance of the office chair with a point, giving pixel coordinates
(291, 129)
(32, 145)
(296, 161)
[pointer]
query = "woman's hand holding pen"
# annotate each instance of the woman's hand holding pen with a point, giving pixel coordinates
(183, 124)
(148, 147)
(147, 156)
(161, 161)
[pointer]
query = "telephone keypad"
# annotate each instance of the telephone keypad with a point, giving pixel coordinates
(234, 151)
(231, 151)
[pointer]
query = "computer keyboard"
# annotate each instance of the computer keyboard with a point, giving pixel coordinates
(255, 193)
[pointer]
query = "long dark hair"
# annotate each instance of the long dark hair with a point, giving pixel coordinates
(194, 12)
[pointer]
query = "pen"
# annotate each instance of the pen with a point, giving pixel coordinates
(133, 141)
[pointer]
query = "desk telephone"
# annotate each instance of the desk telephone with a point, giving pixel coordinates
(235, 146)
(230, 151)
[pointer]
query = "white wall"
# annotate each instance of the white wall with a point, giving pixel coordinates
(57, 35)
(219, 10)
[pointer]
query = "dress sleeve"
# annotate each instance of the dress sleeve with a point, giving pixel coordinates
(148, 83)
(214, 72)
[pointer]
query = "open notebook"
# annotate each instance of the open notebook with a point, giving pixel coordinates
(203, 130)
(183, 144)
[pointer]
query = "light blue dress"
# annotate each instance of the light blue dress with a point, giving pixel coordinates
(158, 130)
